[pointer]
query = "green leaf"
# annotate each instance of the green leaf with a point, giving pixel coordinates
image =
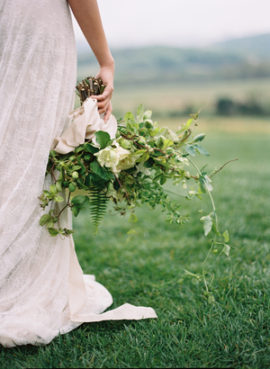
(202, 150)
(89, 148)
(79, 200)
(44, 219)
(199, 137)
(78, 149)
(75, 210)
(132, 231)
(129, 117)
(97, 181)
(205, 183)
(162, 179)
(226, 236)
(103, 138)
(102, 172)
(88, 180)
(50, 223)
(53, 231)
(59, 186)
(98, 205)
(58, 198)
(66, 231)
(188, 123)
(133, 218)
(53, 188)
(190, 150)
(226, 249)
(186, 126)
(87, 157)
(207, 224)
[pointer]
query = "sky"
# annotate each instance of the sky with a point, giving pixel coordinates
(180, 22)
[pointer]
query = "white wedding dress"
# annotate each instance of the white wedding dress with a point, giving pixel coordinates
(43, 291)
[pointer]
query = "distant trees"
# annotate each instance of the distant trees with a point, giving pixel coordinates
(228, 106)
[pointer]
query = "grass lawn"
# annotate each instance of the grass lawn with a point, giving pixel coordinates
(147, 267)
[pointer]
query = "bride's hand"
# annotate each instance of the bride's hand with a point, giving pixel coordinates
(106, 73)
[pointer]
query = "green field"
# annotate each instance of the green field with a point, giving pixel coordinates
(199, 96)
(144, 264)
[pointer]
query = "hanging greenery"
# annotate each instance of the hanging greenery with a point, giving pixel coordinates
(130, 170)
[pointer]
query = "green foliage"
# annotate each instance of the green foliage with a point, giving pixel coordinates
(228, 106)
(102, 138)
(98, 206)
(78, 203)
(130, 170)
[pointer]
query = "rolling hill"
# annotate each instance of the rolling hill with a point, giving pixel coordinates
(240, 59)
(257, 46)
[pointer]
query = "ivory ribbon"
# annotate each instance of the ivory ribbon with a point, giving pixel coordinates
(85, 121)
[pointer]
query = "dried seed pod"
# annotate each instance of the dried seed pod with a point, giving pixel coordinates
(96, 88)
(89, 86)
(102, 88)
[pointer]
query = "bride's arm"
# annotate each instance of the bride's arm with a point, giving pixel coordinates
(87, 14)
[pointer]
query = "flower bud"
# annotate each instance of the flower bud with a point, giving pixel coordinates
(126, 144)
(72, 187)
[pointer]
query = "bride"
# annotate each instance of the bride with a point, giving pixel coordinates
(43, 291)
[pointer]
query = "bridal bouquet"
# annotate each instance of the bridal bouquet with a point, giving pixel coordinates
(127, 164)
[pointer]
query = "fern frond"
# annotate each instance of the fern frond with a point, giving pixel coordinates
(98, 205)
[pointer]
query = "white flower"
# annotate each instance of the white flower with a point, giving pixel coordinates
(126, 162)
(115, 157)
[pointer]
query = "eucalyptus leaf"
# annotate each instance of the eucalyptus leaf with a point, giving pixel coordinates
(190, 149)
(207, 223)
(199, 137)
(202, 150)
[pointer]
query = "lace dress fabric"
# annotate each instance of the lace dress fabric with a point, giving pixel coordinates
(43, 291)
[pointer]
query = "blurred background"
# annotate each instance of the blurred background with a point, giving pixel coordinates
(179, 57)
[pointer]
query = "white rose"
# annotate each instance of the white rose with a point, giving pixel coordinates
(126, 162)
(111, 156)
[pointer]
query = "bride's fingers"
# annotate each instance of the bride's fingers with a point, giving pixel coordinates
(103, 104)
(107, 93)
(104, 108)
(108, 112)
